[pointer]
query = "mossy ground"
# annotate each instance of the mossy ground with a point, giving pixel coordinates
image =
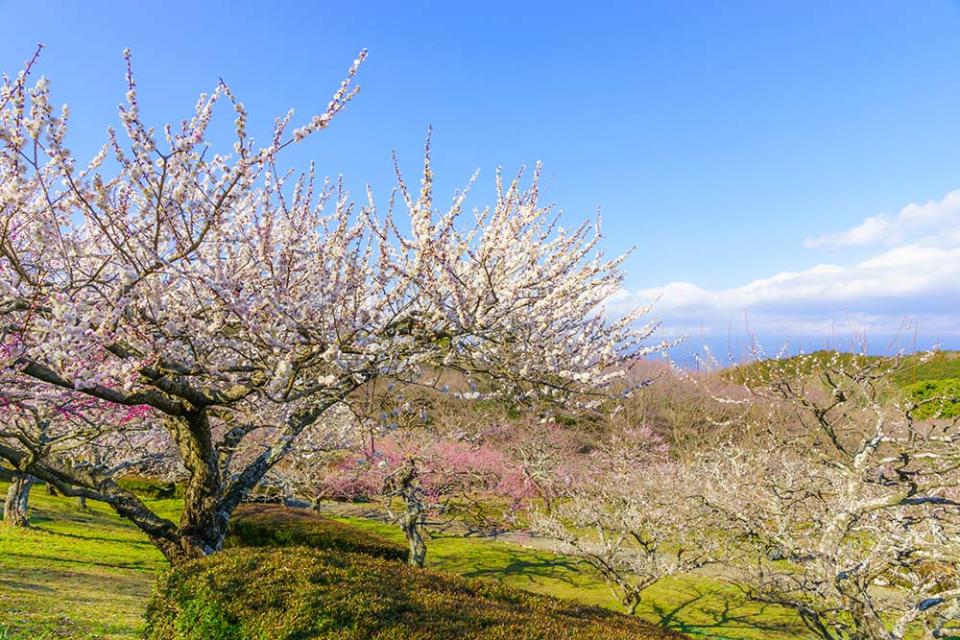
(89, 575)
(296, 592)
(264, 525)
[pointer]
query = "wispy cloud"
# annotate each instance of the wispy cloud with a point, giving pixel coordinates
(914, 220)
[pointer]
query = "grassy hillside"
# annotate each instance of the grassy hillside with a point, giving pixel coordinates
(90, 574)
(920, 377)
(914, 368)
(697, 605)
(943, 365)
(266, 525)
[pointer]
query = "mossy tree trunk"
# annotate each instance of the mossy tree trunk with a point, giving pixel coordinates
(203, 521)
(16, 508)
(866, 621)
(418, 548)
(207, 502)
(413, 519)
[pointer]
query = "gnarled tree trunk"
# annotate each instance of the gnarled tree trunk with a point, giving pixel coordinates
(16, 508)
(866, 621)
(203, 521)
(411, 529)
(412, 520)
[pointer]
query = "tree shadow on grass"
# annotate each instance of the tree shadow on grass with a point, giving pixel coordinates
(721, 615)
(39, 578)
(78, 516)
(75, 536)
(559, 568)
(136, 566)
(19, 585)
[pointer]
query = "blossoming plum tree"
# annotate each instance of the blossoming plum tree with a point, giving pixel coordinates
(436, 478)
(844, 507)
(241, 301)
(432, 459)
(627, 512)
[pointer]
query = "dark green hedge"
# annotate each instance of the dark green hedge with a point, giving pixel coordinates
(266, 525)
(296, 593)
(150, 487)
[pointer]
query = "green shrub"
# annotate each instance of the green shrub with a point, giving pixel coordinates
(945, 395)
(308, 594)
(205, 617)
(265, 525)
(150, 487)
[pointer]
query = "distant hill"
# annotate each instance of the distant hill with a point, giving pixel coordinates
(933, 380)
(914, 368)
(943, 365)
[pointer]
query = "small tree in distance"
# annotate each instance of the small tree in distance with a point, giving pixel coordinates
(626, 510)
(436, 480)
(410, 455)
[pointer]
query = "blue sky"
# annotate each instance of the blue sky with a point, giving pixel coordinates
(734, 143)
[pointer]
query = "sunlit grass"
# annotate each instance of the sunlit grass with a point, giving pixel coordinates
(75, 573)
(700, 606)
(88, 574)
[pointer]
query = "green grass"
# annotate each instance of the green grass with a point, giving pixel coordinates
(264, 525)
(88, 575)
(75, 573)
(698, 606)
(943, 365)
(289, 593)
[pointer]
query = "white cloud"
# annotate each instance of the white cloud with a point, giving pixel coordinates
(913, 221)
(915, 273)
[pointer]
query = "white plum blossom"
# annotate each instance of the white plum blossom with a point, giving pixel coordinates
(241, 301)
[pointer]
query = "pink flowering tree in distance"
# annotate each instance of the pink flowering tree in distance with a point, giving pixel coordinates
(432, 459)
(91, 438)
(434, 478)
(240, 300)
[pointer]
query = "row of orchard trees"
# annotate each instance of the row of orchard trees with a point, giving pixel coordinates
(230, 303)
(812, 487)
